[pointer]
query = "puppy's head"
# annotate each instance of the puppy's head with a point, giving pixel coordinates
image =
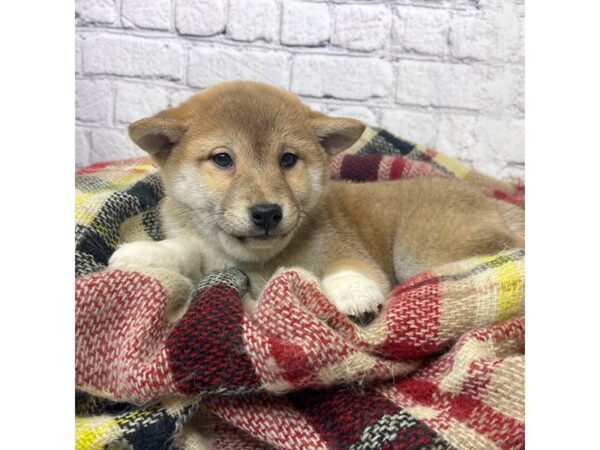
(247, 162)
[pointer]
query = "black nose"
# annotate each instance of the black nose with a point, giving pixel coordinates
(266, 215)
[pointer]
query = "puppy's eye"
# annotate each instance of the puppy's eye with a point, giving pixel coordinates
(288, 160)
(223, 160)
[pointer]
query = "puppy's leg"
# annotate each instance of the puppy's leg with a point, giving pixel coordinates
(358, 289)
(179, 255)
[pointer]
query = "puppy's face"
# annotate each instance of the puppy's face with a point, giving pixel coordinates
(247, 161)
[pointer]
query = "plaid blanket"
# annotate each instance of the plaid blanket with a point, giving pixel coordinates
(161, 363)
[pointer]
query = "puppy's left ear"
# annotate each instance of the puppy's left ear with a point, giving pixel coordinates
(336, 134)
(160, 133)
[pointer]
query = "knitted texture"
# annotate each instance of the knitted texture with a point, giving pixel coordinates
(162, 363)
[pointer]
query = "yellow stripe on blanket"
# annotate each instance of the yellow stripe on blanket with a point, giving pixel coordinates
(93, 433)
(509, 283)
(133, 176)
(460, 170)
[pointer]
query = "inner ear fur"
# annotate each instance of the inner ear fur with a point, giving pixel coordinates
(158, 134)
(336, 134)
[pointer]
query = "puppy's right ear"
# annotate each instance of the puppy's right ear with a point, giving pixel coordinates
(159, 134)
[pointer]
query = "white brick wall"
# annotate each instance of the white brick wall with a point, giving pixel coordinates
(446, 73)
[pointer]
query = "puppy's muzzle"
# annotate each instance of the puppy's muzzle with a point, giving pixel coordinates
(266, 216)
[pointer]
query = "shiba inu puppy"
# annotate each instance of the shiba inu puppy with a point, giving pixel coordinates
(245, 167)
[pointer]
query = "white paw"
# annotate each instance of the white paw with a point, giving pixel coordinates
(149, 254)
(354, 295)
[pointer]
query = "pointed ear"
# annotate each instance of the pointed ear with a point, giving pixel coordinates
(336, 134)
(159, 134)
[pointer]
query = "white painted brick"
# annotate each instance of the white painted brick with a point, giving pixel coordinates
(490, 167)
(112, 144)
(456, 135)
(135, 101)
(518, 87)
(420, 30)
(342, 77)
(213, 65)
(78, 55)
(93, 101)
(305, 23)
(82, 148)
(200, 17)
(501, 139)
(448, 85)
(361, 113)
(512, 172)
(250, 20)
(417, 127)
(473, 37)
(155, 14)
(138, 57)
(180, 96)
(95, 11)
(361, 27)
(474, 109)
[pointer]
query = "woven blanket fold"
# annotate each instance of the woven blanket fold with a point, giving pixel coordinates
(162, 363)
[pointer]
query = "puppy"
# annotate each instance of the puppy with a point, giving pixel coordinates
(245, 168)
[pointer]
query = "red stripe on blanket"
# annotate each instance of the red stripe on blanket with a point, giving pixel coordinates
(413, 318)
(360, 168)
(119, 336)
(397, 168)
(289, 322)
(206, 349)
(341, 416)
(505, 431)
(268, 418)
(345, 416)
(99, 166)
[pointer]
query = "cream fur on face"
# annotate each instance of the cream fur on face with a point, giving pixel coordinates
(219, 225)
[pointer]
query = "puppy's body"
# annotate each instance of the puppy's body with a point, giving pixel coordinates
(359, 238)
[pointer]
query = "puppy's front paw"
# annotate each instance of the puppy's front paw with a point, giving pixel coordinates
(144, 254)
(355, 295)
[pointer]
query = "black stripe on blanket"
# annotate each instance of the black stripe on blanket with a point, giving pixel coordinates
(363, 419)
(99, 240)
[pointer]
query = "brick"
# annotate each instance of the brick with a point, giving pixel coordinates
(420, 30)
(213, 65)
(342, 77)
(95, 11)
(414, 126)
(446, 85)
(78, 55)
(361, 113)
(112, 144)
(251, 20)
(93, 101)
(305, 24)
(518, 88)
(361, 27)
(130, 56)
(456, 136)
(512, 171)
(491, 167)
(200, 17)
(135, 101)
(501, 139)
(154, 15)
(82, 148)
(473, 37)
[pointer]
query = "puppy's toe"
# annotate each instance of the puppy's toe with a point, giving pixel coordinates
(355, 295)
